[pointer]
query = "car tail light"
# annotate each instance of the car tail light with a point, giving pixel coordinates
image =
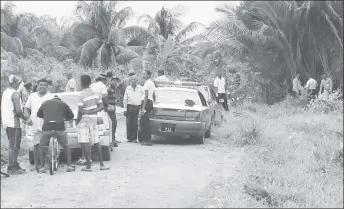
(192, 115)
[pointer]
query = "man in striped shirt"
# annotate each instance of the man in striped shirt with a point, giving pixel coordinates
(90, 104)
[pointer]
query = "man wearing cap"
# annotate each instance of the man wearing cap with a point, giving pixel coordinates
(11, 112)
(112, 104)
(99, 88)
(32, 105)
(71, 84)
(132, 101)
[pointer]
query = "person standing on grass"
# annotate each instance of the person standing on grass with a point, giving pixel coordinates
(311, 86)
(219, 84)
(71, 84)
(132, 101)
(161, 76)
(112, 106)
(325, 86)
(90, 103)
(32, 105)
(297, 86)
(11, 113)
(58, 111)
(146, 108)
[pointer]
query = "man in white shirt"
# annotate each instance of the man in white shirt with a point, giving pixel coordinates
(146, 108)
(71, 84)
(32, 105)
(161, 76)
(297, 86)
(219, 84)
(311, 86)
(132, 102)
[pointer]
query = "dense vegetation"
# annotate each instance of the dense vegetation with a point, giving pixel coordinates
(267, 43)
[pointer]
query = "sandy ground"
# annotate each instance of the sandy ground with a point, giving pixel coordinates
(171, 173)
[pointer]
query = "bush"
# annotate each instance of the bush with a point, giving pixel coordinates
(326, 105)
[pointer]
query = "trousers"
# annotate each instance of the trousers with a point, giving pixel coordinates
(131, 121)
(144, 134)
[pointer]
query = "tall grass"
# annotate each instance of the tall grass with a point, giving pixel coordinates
(290, 151)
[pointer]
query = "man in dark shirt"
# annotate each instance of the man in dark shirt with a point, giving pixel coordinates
(112, 108)
(54, 112)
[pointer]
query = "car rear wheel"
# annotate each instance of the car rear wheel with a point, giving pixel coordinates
(198, 139)
(208, 132)
(106, 153)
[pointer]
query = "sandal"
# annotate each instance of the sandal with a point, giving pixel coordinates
(71, 168)
(80, 161)
(41, 170)
(104, 168)
(86, 169)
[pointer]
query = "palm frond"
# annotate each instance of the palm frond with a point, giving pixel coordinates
(188, 29)
(195, 39)
(121, 17)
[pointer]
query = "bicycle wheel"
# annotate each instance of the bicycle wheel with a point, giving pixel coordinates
(52, 156)
(56, 154)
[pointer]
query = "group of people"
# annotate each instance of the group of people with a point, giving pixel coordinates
(311, 87)
(34, 105)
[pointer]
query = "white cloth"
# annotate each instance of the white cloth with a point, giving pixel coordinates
(33, 103)
(311, 84)
(133, 97)
(71, 85)
(296, 85)
(7, 109)
(150, 87)
(99, 88)
(220, 84)
(162, 78)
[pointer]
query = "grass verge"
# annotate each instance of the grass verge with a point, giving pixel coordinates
(291, 153)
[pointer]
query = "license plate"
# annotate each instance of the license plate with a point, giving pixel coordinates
(169, 128)
(221, 100)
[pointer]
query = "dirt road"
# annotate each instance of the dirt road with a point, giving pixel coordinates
(171, 173)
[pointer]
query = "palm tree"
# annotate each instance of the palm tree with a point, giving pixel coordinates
(100, 31)
(281, 37)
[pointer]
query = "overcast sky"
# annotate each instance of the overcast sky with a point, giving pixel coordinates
(201, 11)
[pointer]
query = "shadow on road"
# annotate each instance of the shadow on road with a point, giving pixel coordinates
(172, 141)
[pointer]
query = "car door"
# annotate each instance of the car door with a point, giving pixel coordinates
(206, 112)
(205, 90)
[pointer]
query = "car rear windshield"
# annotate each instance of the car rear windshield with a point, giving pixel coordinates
(175, 97)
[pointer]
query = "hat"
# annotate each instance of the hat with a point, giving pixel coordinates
(107, 75)
(12, 78)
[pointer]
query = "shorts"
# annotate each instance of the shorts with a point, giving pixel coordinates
(61, 137)
(88, 130)
(14, 136)
(36, 137)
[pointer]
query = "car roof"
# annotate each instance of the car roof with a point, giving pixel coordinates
(194, 90)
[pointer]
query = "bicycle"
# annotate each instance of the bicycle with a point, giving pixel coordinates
(53, 152)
